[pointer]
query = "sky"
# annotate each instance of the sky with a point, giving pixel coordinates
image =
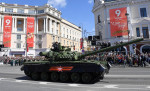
(78, 12)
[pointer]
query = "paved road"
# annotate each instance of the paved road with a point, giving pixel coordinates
(119, 79)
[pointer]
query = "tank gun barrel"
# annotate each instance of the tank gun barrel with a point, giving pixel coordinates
(111, 48)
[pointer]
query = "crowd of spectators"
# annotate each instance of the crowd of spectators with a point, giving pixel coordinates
(18, 61)
(140, 60)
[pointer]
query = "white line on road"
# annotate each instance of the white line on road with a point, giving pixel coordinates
(19, 80)
(110, 86)
(43, 83)
(74, 85)
(148, 87)
(2, 78)
(128, 76)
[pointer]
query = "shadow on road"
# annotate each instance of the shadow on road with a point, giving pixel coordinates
(23, 78)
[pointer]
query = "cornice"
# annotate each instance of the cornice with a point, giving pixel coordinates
(118, 3)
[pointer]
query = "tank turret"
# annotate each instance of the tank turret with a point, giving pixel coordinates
(61, 53)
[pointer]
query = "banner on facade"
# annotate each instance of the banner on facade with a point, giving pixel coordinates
(81, 43)
(118, 22)
(30, 32)
(7, 31)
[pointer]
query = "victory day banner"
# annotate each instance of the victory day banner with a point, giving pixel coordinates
(30, 32)
(118, 22)
(7, 31)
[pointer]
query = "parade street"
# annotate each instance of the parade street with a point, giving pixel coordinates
(119, 79)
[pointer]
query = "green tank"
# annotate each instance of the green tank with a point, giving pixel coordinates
(62, 64)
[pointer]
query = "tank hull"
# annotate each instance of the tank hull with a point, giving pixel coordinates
(74, 71)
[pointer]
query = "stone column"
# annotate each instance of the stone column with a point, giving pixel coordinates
(24, 28)
(44, 24)
(2, 23)
(15, 25)
(55, 28)
(12, 24)
(141, 32)
(50, 26)
(37, 27)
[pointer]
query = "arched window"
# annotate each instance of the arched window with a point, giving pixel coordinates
(99, 19)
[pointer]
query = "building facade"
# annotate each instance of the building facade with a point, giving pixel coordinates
(135, 16)
(47, 27)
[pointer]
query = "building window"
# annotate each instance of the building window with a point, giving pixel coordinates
(52, 30)
(57, 24)
(56, 31)
(53, 38)
(40, 37)
(58, 39)
(18, 45)
(31, 11)
(138, 32)
(40, 11)
(19, 22)
(21, 11)
(99, 19)
(40, 45)
(19, 29)
(18, 37)
(143, 12)
(64, 42)
(64, 35)
(145, 32)
(8, 10)
(67, 43)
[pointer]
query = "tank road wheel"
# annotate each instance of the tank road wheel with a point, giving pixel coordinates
(64, 77)
(27, 73)
(44, 76)
(86, 77)
(54, 76)
(75, 77)
(35, 76)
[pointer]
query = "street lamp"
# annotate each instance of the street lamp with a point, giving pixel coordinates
(126, 14)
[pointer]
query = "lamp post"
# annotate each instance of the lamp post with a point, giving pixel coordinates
(126, 14)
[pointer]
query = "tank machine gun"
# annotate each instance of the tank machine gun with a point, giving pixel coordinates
(63, 64)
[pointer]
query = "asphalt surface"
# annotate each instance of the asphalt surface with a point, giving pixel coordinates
(119, 79)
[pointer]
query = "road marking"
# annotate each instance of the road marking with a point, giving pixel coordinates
(73, 85)
(43, 83)
(110, 86)
(19, 80)
(2, 78)
(148, 87)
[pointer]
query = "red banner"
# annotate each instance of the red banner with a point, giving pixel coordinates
(118, 22)
(81, 43)
(7, 31)
(30, 32)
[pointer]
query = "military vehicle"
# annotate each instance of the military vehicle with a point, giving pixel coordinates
(62, 65)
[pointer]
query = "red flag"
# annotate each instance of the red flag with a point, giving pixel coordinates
(7, 31)
(30, 31)
(118, 22)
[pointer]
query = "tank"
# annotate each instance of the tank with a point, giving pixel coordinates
(63, 65)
